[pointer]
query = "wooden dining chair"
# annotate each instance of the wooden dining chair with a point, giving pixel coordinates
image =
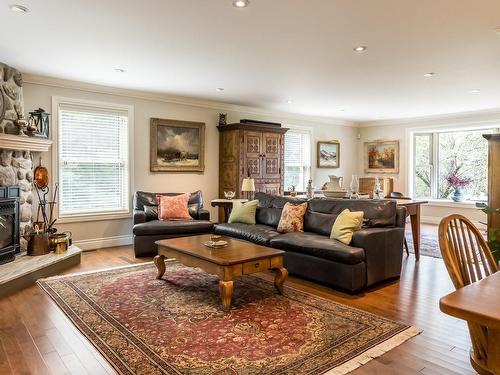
(468, 259)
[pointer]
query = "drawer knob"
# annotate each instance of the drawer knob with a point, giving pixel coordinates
(256, 265)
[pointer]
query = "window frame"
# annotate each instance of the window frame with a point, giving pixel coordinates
(303, 130)
(434, 159)
(57, 102)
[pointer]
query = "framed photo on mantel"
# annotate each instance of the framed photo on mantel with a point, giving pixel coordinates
(382, 157)
(328, 154)
(177, 146)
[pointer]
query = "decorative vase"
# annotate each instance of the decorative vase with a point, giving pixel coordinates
(458, 195)
(310, 190)
(354, 194)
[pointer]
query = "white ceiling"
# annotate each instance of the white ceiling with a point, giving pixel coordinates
(271, 52)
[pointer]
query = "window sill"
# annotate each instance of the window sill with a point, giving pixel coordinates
(450, 203)
(93, 217)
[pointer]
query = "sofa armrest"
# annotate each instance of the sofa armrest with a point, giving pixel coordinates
(401, 217)
(139, 217)
(203, 214)
(383, 252)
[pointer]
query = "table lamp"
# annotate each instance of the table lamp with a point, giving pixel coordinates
(248, 185)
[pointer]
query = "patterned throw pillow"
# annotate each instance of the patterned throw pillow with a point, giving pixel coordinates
(174, 207)
(292, 218)
(345, 225)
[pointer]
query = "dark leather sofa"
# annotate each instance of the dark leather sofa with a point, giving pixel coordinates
(374, 255)
(148, 229)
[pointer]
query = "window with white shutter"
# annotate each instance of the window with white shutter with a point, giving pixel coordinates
(297, 159)
(93, 159)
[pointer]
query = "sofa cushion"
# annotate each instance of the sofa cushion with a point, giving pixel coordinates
(270, 207)
(243, 212)
(143, 198)
(156, 227)
(173, 208)
(318, 246)
(321, 213)
(345, 225)
(292, 218)
(258, 233)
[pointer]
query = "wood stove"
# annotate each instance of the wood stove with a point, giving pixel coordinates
(9, 223)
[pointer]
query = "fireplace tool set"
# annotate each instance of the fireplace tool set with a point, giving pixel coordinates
(45, 238)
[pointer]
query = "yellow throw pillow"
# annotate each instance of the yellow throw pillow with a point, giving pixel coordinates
(345, 225)
(243, 212)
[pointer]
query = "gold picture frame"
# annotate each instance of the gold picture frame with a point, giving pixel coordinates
(177, 146)
(382, 157)
(328, 154)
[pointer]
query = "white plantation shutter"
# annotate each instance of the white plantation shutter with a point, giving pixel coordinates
(93, 160)
(297, 159)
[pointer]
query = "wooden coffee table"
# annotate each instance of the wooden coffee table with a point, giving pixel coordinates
(236, 259)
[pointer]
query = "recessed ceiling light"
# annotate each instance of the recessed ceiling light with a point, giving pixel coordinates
(430, 74)
(241, 3)
(359, 49)
(219, 89)
(475, 91)
(119, 70)
(18, 8)
(289, 101)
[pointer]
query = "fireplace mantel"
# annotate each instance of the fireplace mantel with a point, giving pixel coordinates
(24, 143)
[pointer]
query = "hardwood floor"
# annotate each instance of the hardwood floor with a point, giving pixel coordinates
(36, 338)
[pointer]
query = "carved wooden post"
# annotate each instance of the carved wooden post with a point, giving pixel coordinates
(493, 178)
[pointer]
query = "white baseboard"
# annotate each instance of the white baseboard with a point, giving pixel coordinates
(99, 243)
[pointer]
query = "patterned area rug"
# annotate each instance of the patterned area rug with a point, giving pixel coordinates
(429, 244)
(177, 326)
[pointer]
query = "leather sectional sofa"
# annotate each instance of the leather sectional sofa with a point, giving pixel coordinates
(374, 255)
(148, 229)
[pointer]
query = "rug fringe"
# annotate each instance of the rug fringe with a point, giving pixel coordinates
(100, 270)
(375, 352)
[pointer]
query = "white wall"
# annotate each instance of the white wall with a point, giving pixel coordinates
(38, 92)
(401, 130)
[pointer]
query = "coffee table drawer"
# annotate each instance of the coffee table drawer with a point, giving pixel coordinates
(256, 266)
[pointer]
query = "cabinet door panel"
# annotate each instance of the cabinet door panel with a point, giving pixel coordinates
(274, 189)
(253, 154)
(271, 163)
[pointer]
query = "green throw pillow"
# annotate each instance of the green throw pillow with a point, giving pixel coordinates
(243, 212)
(345, 225)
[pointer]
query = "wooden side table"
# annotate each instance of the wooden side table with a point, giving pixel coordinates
(227, 206)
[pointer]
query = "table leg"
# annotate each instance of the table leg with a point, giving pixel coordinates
(493, 361)
(159, 261)
(280, 278)
(415, 231)
(226, 293)
(227, 212)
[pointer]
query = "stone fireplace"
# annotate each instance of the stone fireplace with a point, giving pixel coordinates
(16, 149)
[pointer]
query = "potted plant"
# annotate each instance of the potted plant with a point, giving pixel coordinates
(458, 183)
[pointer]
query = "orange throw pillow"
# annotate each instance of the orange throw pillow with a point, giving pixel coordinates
(173, 207)
(292, 218)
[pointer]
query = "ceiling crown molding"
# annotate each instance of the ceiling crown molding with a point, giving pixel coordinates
(218, 106)
(476, 117)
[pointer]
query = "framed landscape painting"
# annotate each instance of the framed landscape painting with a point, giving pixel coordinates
(177, 146)
(382, 157)
(328, 154)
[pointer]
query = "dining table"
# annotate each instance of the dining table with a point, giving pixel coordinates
(479, 303)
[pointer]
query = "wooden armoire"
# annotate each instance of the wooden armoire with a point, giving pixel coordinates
(251, 149)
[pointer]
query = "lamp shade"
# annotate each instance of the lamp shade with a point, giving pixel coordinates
(248, 184)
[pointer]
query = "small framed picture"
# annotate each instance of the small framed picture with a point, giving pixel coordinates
(177, 146)
(382, 157)
(328, 154)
